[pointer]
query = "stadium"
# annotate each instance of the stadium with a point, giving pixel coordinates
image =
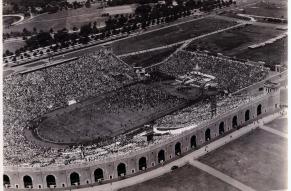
(95, 120)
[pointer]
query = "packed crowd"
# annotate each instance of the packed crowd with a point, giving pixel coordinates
(231, 75)
(201, 112)
(31, 95)
(120, 111)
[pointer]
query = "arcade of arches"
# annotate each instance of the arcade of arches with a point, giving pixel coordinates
(142, 163)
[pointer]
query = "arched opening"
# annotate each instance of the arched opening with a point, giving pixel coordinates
(247, 115)
(207, 135)
(193, 141)
(98, 174)
(121, 169)
(51, 181)
(142, 163)
(178, 149)
(234, 122)
(27, 182)
(221, 128)
(161, 156)
(75, 178)
(6, 180)
(259, 109)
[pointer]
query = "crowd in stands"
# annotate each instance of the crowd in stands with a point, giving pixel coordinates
(231, 75)
(201, 112)
(31, 95)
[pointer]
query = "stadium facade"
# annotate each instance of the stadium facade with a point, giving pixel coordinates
(114, 169)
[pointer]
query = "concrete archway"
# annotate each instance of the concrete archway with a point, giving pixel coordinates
(247, 115)
(6, 180)
(161, 156)
(221, 128)
(234, 122)
(193, 141)
(178, 150)
(142, 163)
(207, 135)
(75, 178)
(27, 181)
(98, 174)
(121, 169)
(50, 181)
(259, 109)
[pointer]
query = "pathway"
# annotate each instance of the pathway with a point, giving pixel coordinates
(220, 175)
(274, 131)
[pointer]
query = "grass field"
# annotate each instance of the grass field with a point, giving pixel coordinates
(272, 54)
(233, 41)
(108, 115)
(269, 9)
(8, 20)
(258, 159)
(280, 124)
(186, 178)
(13, 45)
(149, 58)
(170, 35)
(69, 18)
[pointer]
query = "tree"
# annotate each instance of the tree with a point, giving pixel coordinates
(86, 30)
(51, 30)
(88, 4)
(34, 30)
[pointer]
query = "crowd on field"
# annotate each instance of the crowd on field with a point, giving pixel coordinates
(231, 75)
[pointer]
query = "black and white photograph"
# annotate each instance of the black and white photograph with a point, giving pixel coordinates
(144, 95)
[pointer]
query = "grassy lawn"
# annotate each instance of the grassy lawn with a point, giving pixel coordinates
(258, 159)
(275, 53)
(69, 18)
(233, 41)
(271, 9)
(280, 124)
(186, 178)
(149, 58)
(12, 46)
(170, 35)
(8, 20)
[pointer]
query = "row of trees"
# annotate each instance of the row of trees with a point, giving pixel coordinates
(145, 15)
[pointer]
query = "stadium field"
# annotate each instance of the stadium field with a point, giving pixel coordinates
(170, 35)
(259, 155)
(149, 58)
(186, 178)
(108, 115)
(234, 41)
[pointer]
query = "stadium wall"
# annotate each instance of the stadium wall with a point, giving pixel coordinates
(270, 103)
